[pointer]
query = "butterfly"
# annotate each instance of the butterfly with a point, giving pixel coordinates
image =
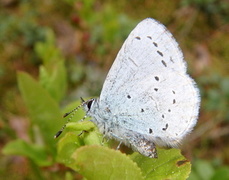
(147, 98)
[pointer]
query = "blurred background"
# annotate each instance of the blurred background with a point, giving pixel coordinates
(87, 35)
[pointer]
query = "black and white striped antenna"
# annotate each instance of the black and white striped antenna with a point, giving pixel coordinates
(72, 112)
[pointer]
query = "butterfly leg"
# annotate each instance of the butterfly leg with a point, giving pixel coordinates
(118, 147)
(117, 139)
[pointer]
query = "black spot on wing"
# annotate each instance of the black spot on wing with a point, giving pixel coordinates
(160, 53)
(163, 62)
(157, 78)
(155, 44)
(150, 131)
(165, 128)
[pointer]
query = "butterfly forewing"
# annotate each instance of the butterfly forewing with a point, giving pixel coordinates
(148, 82)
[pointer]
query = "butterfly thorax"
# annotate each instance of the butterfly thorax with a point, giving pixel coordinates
(104, 119)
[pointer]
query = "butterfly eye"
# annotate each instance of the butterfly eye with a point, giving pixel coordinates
(89, 104)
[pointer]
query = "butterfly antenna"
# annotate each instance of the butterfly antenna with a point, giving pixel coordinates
(72, 112)
(82, 100)
(83, 118)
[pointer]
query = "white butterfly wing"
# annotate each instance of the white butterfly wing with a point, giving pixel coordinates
(147, 87)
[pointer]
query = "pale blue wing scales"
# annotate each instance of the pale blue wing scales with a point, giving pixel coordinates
(149, 73)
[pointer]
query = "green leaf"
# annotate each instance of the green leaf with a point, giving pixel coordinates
(55, 81)
(66, 146)
(44, 111)
(53, 73)
(93, 138)
(32, 151)
(80, 126)
(87, 130)
(98, 162)
(170, 164)
(47, 51)
(78, 134)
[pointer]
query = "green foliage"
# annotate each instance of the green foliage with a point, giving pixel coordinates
(35, 152)
(204, 170)
(90, 161)
(170, 165)
(96, 162)
(43, 108)
(52, 72)
(80, 134)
